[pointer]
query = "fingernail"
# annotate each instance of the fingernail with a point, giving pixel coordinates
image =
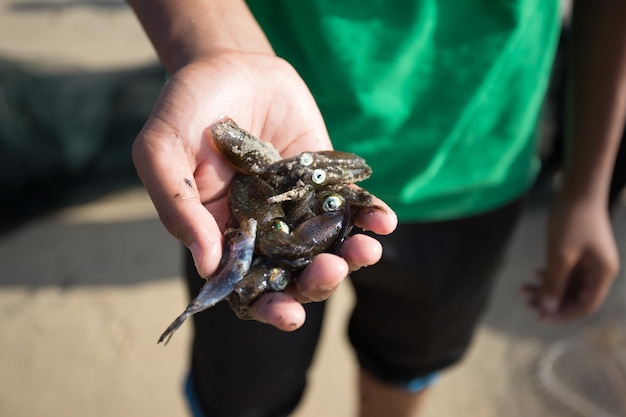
(549, 305)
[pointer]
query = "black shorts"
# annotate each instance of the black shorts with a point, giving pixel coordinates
(415, 314)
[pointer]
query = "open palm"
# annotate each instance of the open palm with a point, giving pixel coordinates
(187, 179)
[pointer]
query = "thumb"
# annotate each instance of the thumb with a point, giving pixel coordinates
(554, 282)
(165, 172)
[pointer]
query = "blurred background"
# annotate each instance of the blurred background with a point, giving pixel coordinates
(89, 278)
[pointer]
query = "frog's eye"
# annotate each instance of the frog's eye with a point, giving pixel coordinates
(306, 159)
(277, 279)
(280, 226)
(318, 176)
(332, 203)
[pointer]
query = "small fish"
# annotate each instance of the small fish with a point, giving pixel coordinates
(238, 251)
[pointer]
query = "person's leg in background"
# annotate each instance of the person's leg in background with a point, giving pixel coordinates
(418, 307)
(246, 368)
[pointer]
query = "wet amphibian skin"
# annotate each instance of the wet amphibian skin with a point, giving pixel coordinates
(283, 213)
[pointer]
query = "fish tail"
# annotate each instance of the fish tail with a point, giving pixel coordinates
(167, 334)
(193, 308)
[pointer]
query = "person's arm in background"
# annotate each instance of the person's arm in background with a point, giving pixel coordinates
(582, 258)
(221, 63)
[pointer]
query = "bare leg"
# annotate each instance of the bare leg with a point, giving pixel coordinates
(381, 399)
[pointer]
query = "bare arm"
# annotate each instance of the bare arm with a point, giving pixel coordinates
(183, 31)
(598, 97)
(582, 259)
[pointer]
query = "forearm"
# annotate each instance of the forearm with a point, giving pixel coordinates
(598, 91)
(182, 31)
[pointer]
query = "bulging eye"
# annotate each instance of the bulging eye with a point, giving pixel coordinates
(277, 279)
(318, 176)
(306, 159)
(280, 226)
(332, 203)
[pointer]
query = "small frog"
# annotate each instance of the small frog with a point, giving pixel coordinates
(263, 276)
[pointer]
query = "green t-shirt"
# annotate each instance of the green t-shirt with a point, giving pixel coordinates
(441, 97)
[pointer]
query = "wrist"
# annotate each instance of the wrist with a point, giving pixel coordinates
(183, 32)
(573, 193)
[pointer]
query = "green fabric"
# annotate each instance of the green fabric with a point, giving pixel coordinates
(441, 97)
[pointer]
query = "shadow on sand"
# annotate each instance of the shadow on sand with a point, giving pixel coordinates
(65, 137)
